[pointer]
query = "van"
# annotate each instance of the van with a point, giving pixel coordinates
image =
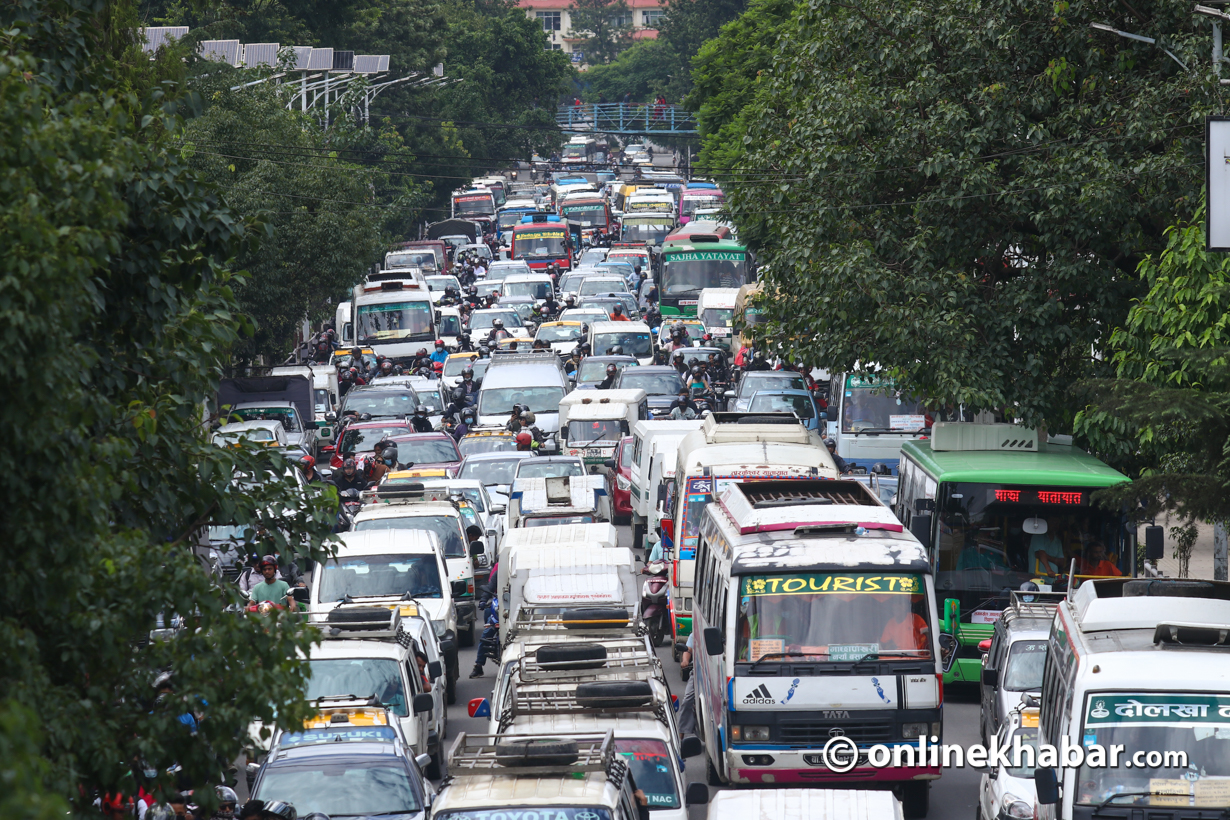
(654, 446)
(549, 588)
(796, 804)
(381, 568)
(573, 499)
(716, 308)
(536, 286)
(601, 534)
(394, 317)
(1014, 658)
(592, 422)
(635, 338)
(537, 380)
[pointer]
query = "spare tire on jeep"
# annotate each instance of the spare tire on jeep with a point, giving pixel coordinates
(609, 617)
(572, 655)
(360, 618)
(612, 694)
(537, 751)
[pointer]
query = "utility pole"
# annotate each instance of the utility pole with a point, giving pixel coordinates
(1218, 16)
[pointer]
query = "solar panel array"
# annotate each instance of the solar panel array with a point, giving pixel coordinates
(302, 53)
(258, 54)
(343, 61)
(158, 36)
(321, 59)
(222, 51)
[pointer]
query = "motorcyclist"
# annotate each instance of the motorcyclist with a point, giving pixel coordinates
(421, 359)
(468, 385)
(718, 371)
(612, 375)
(272, 589)
(307, 466)
(322, 347)
(356, 359)
(573, 361)
(498, 332)
(349, 478)
(463, 427)
(345, 381)
(617, 314)
(697, 379)
(386, 367)
(525, 442)
(440, 354)
(842, 466)
(388, 457)
(683, 407)
(678, 363)
(759, 362)
(374, 469)
(450, 297)
(419, 421)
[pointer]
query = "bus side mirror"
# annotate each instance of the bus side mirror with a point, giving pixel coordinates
(922, 505)
(696, 795)
(920, 528)
(715, 642)
(1155, 544)
(691, 746)
(948, 650)
(1047, 786)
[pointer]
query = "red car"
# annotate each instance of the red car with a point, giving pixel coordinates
(623, 481)
(429, 451)
(359, 439)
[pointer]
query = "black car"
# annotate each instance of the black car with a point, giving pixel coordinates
(661, 384)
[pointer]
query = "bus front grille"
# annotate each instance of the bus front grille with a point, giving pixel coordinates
(817, 733)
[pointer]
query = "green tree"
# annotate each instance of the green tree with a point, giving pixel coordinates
(959, 192)
(605, 25)
(686, 26)
(639, 71)
(119, 313)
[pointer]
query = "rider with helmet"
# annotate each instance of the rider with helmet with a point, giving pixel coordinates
(678, 363)
(440, 354)
(419, 421)
(759, 362)
(307, 466)
(612, 375)
(617, 314)
(497, 332)
(842, 466)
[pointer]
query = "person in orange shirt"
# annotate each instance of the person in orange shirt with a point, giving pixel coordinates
(907, 630)
(617, 314)
(1094, 561)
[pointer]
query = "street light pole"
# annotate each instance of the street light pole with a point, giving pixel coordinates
(1217, 15)
(1141, 38)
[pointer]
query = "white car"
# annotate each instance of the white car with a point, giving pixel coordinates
(489, 505)
(1005, 793)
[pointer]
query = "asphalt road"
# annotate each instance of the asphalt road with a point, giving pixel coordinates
(953, 796)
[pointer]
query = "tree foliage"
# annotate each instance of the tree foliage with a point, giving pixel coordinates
(605, 26)
(639, 71)
(119, 314)
(959, 192)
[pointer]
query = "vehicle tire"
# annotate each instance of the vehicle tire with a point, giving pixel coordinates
(450, 688)
(614, 694)
(466, 637)
(378, 617)
(595, 618)
(572, 656)
(712, 775)
(638, 536)
(433, 770)
(916, 798)
(543, 751)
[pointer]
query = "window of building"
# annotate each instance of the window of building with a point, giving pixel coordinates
(554, 47)
(652, 16)
(621, 20)
(549, 20)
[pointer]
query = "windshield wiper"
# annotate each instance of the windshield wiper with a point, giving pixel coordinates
(892, 653)
(790, 654)
(1114, 797)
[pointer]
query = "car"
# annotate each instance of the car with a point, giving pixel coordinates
(601, 283)
(632, 308)
(425, 451)
(454, 366)
(448, 325)
(489, 506)
(561, 336)
(798, 402)
(487, 441)
(433, 395)
(586, 316)
(505, 267)
(621, 496)
(298, 433)
(1014, 658)
(258, 431)
(550, 467)
(632, 338)
(485, 287)
(481, 322)
(359, 439)
(524, 305)
(437, 283)
(756, 381)
(593, 369)
(494, 470)
(883, 486)
(390, 401)
(1004, 792)
(340, 772)
(592, 256)
(536, 286)
(661, 384)
(535, 380)
(693, 327)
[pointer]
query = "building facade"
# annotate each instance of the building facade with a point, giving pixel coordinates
(556, 22)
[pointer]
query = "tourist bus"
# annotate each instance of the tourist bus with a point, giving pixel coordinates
(697, 262)
(541, 240)
(473, 203)
(997, 507)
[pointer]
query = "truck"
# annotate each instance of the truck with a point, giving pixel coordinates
(655, 443)
(559, 585)
(574, 499)
(286, 398)
(591, 422)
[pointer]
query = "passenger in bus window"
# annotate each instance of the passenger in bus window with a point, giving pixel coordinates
(1094, 561)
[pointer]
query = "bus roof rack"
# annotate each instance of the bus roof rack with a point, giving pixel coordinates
(754, 418)
(762, 495)
(486, 755)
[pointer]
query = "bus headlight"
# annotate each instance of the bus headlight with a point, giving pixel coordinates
(910, 731)
(749, 733)
(1017, 808)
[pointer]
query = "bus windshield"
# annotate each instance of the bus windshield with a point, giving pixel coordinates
(993, 536)
(692, 203)
(547, 242)
(834, 617)
(589, 215)
(478, 204)
(694, 271)
(1183, 736)
(869, 405)
(395, 320)
(649, 231)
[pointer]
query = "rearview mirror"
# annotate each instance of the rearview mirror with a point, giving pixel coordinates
(423, 703)
(477, 549)
(1047, 786)
(696, 795)
(498, 508)
(715, 641)
(948, 650)
(434, 670)
(990, 677)
(609, 464)
(423, 761)
(691, 746)
(920, 528)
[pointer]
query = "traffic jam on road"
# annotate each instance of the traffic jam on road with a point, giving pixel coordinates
(601, 557)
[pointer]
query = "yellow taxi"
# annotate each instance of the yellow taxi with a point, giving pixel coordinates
(561, 336)
(487, 441)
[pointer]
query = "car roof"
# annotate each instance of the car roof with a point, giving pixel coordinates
(251, 424)
(340, 649)
(423, 436)
(340, 753)
(370, 425)
(379, 542)
(501, 456)
(654, 368)
(260, 404)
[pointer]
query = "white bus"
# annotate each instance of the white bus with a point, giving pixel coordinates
(870, 419)
(814, 618)
(1139, 666)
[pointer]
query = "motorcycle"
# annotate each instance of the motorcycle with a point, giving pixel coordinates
(351, 505)
(654, 597)
(704, 401)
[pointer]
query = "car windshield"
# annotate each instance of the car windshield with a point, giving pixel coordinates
(481, 320)
(363, 439)
(592, 257)
(770, 381)
(380, 576)
(634, 343)
(489, 286)
(533, 468)
(439, 283)
(534, 290)
(559, 333)
(592, 371)
(546, 242)
(1184, 737)
(342, 788)
(573, 281)
(832, 616)
(450, 325)
(396, 403)
(429, 397)
(594, 285)
(717, 317)
(508, 219)
(427, 451)
(446, 528)
(1029, 738)
(473, 494)
(455, 366)
(410, 259)
(777, 403)
(584, 315)
(490, 472)
(396, 320)
(873, 406)
(596, 433)
(654, 384)
(652, 766)
(472, 445)
(636, 260)
(286, 415)
(588, 215)
(500, 400)
(1023, 672)
(693, 271)
(359, 678)
(651, 232)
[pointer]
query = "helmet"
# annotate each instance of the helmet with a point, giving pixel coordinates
(576, 351)
(585, 348)
(348, 462)
(468, 373)
(347, 375)
(498, 324)
(439, 343)
(618, 310)
(269, 560)
(389, 451)
(280, 808)
(421, 410)
(422, 352)
(678, 354)
(830, 443)
(467, 414)
(611, 370)
(307, 461)
(708, 337)
(695, 369)
(528, 417)
(227, 801)
(880, 468)
(524, 438)
(617, 350)
(386, 366)
(1029, 586)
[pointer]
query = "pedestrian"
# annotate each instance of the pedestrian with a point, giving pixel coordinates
(687, 706)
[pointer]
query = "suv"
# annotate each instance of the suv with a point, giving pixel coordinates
(360, 765)
(1014, 657)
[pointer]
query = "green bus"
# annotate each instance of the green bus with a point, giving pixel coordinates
(998, 508)
(698, 261)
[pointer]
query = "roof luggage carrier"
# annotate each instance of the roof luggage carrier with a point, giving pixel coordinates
(598, 621)
(487, 755)
(754, 418)
(412, 493)
(587, 661)
(1043, 606)
(763, 495)
(604, 697)
(503, 356)
(364, 620)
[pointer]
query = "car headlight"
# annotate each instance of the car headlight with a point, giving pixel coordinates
(913, 730)
(749, 733)
(622, 483)
(1016, 807)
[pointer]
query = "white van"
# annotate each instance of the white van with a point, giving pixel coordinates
(805, 804)
(654, 446)
(572, 499)
(534, 379)
(716, 308)
(561, 535)
(381, 568)
(635, 338)
(592, 422)
(394, 318)
(342, 322)
(541, 589)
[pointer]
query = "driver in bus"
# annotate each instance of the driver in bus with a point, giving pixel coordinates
(1047, 550)
(906, 630)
